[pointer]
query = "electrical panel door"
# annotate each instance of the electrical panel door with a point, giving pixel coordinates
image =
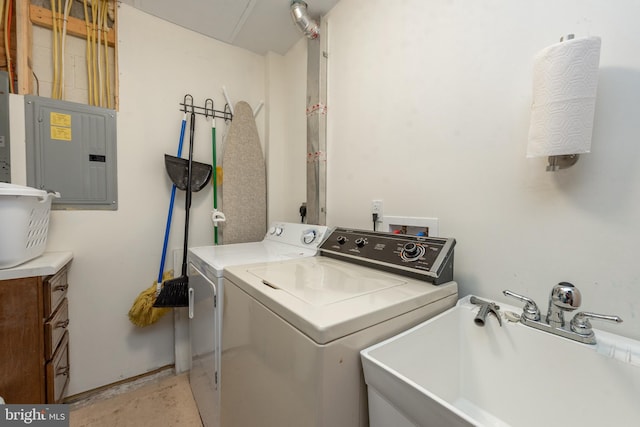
(71, 148)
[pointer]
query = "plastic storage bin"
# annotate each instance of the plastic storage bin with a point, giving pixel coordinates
(24, 223)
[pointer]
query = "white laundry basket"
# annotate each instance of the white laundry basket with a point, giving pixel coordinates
(24, 223)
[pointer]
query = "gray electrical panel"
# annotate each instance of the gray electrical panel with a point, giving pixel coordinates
(5, 154)
(71, 148)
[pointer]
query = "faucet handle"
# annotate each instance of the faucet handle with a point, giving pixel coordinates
(580, 323)
(530, 310)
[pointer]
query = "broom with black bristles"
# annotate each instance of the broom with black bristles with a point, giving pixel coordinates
(142, 312)
(175, 292)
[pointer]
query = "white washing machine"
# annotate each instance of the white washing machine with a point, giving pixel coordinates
(293, 329)
(206, 290)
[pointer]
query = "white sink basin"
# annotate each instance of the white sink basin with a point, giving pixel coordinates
(449, 372)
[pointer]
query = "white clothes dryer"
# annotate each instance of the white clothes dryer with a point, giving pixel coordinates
(293, 329)
(206, 290)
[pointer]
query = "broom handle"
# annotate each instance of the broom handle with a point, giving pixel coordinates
(187, 202)
(167, 228)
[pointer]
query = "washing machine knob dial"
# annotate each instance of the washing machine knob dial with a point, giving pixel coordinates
(309, 236)
(411, 251)
(360, 242)
(279, 231)
(341, 240)
(272, 230)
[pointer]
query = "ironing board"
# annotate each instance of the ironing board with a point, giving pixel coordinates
(244, 188)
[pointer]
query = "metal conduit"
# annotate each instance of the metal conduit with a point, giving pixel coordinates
(316, 114)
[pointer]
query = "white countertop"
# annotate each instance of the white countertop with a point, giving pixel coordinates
(44, 265)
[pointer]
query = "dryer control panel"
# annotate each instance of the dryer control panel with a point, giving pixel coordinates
(301, 235)
(426, 258)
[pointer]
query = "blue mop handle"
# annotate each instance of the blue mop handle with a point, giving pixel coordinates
(173, 198)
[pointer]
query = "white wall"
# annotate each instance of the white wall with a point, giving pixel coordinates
(429, 111)
(287, 132)
(117, 254)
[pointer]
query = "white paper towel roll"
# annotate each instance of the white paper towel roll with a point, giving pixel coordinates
(565, 81)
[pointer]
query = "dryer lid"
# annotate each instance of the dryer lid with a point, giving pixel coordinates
(216, 258)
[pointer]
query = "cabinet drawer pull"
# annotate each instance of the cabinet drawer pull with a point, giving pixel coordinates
(61, 287)
(62, 324)
(62, 370)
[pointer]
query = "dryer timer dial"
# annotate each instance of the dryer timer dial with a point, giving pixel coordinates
(309, 236)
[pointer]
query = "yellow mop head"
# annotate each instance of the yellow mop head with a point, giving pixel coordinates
(143, 313)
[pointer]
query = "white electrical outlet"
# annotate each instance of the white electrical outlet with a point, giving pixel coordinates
(376, 208)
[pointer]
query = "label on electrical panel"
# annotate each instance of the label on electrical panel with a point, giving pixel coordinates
(59, 119)
(60, 126)
(60, 133)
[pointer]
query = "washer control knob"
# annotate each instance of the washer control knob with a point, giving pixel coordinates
(341, 240)
(360, 242)
(411, 249)
(272, 230)
(279, 231)
(412, 252)
(309, 236)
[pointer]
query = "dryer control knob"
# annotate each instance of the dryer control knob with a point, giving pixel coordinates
(272, 230)
(309, 236)
(279, 231)
(341, 240)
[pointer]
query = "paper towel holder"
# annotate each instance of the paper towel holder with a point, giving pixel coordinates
(562, 161)
(566, 160)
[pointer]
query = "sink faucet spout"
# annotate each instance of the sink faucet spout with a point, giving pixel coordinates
(564, 297)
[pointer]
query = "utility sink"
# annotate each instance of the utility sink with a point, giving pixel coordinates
(448, 371)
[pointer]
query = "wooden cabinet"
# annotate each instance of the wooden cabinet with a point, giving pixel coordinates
(34, 341)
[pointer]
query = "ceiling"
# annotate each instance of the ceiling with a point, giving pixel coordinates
(257, 25)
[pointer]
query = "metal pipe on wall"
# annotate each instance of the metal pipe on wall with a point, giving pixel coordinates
(316, 112)
(316, 131)
(307, 25)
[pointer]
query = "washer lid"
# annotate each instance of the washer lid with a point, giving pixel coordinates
(321, 284)
(327, 299)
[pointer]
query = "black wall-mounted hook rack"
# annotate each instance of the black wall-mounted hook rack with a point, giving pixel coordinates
(187, 102)
(227, 112)
(208, 110)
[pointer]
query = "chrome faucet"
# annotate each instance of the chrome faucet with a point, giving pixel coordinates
(564, 297)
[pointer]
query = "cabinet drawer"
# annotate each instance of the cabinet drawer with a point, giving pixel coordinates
(55, 290)
(58, 372)
(55, 328)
